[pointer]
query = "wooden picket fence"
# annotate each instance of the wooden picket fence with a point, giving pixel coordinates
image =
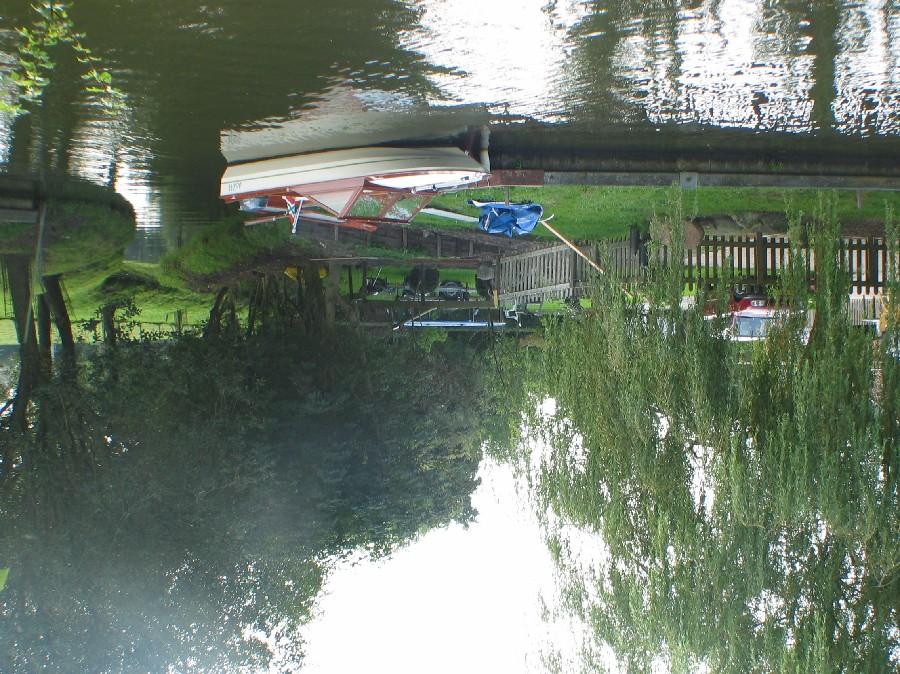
(551, 273)
(751, 260)
(556, 272)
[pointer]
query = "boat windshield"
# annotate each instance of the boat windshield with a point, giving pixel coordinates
(752, 326)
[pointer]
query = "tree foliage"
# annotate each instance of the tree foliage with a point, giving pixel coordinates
(746, 498)
(53, 27)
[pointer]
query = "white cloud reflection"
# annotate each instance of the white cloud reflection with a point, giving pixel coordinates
(456, 600)
(511, 55)
(735, 63)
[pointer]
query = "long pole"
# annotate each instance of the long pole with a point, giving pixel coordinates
(572, 246)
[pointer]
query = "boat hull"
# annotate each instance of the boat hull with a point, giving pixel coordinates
(407, 169)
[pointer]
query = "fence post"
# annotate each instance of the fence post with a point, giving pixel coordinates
(760, 251)
(873, 274)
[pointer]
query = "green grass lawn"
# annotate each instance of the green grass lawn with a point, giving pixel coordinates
(586, 212)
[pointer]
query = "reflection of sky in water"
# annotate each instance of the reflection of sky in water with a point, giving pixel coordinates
(456, 600)
(722, 71)
(104, 157)
(867, 71)
(507, 54)
(728, 63)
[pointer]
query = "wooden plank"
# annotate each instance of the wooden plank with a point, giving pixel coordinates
(535, 293)
(536, 253)
(861, 268)
(758, 260)
(18, 215)
(442, 263)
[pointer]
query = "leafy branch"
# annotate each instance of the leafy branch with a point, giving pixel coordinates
(31, 73)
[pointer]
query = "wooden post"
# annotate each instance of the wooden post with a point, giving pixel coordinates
(108, 319)
(215, 314)
(332, 292)
(18, 273)
(573, 273)
(365, 273)
(57, 304)
(43, 330)
(760, 254)
(873, 273)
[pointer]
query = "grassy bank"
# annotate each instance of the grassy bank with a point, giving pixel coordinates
(585, 212)
(77, 234)
(228, 244)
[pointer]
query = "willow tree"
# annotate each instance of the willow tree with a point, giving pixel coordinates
(745, 495)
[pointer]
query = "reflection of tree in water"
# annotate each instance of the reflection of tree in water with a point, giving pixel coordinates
(796, 47)
(173, 499)
(798, 29)
(602, 87)
(747, 498)
(593, 66)
(186, 72)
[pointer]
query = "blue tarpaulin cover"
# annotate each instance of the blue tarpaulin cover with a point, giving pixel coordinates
(498, 217)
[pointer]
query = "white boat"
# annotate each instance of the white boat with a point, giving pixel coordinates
(366, 182)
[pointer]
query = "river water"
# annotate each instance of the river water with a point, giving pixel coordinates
(185, 74)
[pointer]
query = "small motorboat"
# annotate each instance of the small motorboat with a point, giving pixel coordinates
(356, 187)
